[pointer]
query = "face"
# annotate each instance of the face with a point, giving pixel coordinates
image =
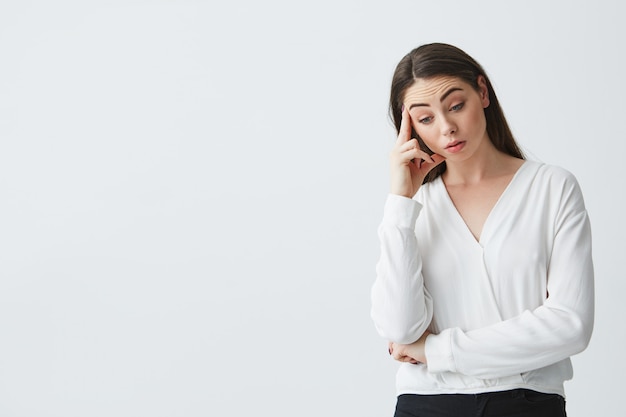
(448, 114)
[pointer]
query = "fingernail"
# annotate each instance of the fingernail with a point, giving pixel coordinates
(403, 108)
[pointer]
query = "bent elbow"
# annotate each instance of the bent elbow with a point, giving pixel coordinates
(580, 335)
(403, 332)
(585, 337)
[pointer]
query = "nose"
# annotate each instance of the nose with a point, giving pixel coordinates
(448, 127)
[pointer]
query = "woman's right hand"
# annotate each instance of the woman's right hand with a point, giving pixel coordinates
(409, 164)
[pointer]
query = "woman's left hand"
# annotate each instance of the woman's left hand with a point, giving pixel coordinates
(413, 353)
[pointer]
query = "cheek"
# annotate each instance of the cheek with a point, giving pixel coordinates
(478, 119)
(428, 138)
(426, 133)
(419, 129)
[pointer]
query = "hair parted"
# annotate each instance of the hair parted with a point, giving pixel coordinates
(437, 59)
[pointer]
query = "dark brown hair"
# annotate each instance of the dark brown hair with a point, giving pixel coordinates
(436, 59)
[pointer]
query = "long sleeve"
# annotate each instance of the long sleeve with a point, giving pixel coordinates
(555, 330)
(401, 306)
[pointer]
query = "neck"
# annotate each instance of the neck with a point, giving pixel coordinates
(487, 162)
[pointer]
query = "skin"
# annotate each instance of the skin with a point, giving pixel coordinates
(448, 115)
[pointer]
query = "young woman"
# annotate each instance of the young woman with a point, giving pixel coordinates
(484, 285)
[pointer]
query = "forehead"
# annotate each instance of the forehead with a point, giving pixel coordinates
(425, 90)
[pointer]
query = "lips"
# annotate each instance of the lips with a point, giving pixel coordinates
(455, 146)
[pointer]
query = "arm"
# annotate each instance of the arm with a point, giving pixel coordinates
(559, 328)
(401, 306)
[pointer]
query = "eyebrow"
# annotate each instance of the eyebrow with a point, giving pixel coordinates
(443, 97)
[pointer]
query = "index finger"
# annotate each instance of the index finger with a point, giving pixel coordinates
(404, 133)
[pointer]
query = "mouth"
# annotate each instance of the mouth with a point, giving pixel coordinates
(455, 146)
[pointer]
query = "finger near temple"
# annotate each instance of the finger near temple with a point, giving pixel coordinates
(404, 133)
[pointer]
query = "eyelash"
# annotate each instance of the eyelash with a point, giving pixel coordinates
(456, 107)
(425, 120)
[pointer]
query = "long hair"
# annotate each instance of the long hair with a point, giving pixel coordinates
(437, 59)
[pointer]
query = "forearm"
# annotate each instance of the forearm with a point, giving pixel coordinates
(530, 341)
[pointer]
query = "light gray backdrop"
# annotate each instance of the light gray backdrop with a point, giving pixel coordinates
(190, 190)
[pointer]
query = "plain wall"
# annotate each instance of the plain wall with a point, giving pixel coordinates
(190, 191)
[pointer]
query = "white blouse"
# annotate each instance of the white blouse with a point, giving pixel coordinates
(506, 311)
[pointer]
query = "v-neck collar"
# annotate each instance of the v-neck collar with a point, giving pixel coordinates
(456, 216)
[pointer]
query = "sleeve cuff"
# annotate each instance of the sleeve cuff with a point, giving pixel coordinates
(401, 211)
(438, 351)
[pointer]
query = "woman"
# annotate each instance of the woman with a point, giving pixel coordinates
(484, 285)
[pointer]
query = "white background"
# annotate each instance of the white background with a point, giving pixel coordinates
(190, 191)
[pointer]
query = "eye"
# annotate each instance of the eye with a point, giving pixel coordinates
(425, 120)
(457, 107)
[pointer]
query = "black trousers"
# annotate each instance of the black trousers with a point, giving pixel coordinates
(514, 403)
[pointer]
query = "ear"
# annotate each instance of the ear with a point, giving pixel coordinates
(483, 91)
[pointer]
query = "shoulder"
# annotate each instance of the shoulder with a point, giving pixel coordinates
(550, 175)
(555, 183)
